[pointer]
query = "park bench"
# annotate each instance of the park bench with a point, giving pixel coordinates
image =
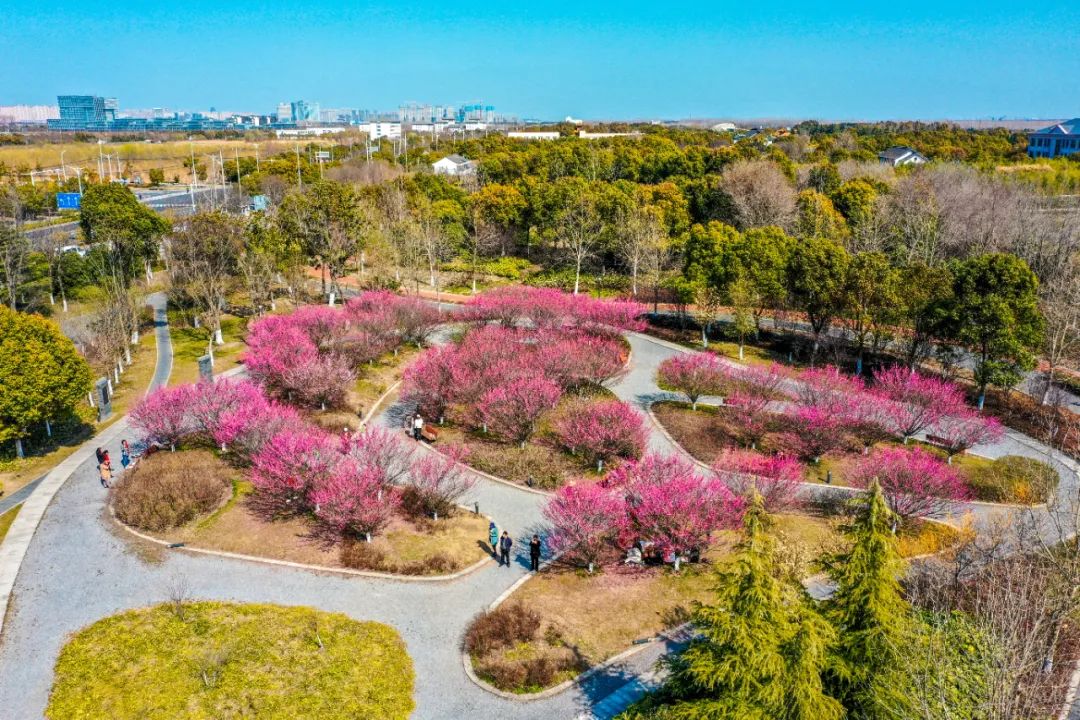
(429, 433)
(939, 441)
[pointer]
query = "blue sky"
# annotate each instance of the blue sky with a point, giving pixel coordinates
(672, 59)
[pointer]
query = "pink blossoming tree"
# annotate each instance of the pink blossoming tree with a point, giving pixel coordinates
(440, 481)
(585, 521)
(694, 375)
(918, 401)
(776, 478)
(818, 431)
(353, 501)
(603, 430)
(915, 482)
(961, 431)
(512, 410)
(164, 416)
(287, 467)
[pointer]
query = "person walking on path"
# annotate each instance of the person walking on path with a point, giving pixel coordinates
(493, 539)
(100, 454)
(418, 427)
(105, 471)
(505, 543)
(125, 454)
(534, 553)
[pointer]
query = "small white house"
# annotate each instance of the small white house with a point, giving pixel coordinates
(454, 165)
(901, 155)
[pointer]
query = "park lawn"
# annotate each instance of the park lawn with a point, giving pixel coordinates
(44, 453)
(190, 343)
(216, 660)
(6, 519)
(587, 619)
(235, 528)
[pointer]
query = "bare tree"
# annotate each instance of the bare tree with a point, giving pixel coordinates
(204, 255)
(760, 193)
(577, 231)
(14, 250)
(638, 236)
(1060, 304)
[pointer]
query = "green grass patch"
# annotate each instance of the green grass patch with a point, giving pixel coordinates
(6, 519)
(190, 343)
(222, 660)
(1011, 478)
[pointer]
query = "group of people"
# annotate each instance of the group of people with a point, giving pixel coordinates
(104, 463)
(501, 545)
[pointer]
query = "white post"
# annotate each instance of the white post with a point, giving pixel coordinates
(48, 429)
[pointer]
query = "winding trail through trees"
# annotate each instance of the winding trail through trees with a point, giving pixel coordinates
(79, 567)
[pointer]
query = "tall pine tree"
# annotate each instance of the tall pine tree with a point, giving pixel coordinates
(762, 650)
(872, 620)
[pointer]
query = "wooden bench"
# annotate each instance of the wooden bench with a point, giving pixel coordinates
(939, 441)
(429, 433)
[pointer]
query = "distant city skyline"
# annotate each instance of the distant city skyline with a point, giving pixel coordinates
(627, 60)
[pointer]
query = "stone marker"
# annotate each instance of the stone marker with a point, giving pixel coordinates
(103, 397)
(206, 368)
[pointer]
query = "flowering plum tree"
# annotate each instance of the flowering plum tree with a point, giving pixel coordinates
(653, 469)
(603, 430)
(164, 416)
(439, 481)
(381, 449)
(682, 514)
(817, 432)
(288, 466)
(512, 410)
(254, 434)
(585, 521)
(430, 380)
(693, 374)
(549, 308)
(918, 401)
(962, 431)
(320, 382)
(828, 389)
(353, 501)
(914, 481)
(776, 478)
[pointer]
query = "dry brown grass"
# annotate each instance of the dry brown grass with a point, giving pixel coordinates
(167, 490)
(404, 543)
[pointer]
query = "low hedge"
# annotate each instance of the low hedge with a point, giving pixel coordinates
(167, 489)
(200, 660)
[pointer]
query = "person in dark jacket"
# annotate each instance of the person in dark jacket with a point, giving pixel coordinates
(534, 553)
(505, 543)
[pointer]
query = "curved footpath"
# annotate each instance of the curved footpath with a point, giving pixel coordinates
(79, 567)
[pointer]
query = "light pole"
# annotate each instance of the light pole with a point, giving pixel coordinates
(257, 168)
(100, 161)
(63, 167)
(191, 146)
(299, 180)
(78, 172)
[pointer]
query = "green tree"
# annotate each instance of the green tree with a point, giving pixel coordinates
(924, 303)
(204, 257)
(112, 214)
(743, 301)
(824, 178)
(994, 311)
(157, 176)
(14, 254)
(819, 218)
(872, 302)
(873, 622)
(331, 222)
(817, 277)
(763, 647)
(42, 375)
(855, 200)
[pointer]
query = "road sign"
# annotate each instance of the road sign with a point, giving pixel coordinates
(322, 155)
(259, 202)
(68, 201)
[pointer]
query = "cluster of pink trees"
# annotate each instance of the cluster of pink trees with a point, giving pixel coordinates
(545, 308)
(915, 482)
(227, 413)
(504, 379)
(655, 500)
(602, 431)
(776, 478)
(311, 355)
(351, 485)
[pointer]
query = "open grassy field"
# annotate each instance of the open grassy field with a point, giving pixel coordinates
(135, 156)
(218, 660)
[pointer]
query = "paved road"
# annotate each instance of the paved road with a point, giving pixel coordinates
(79, 567)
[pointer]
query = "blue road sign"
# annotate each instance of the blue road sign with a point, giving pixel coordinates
(68, 201)
(259, 202)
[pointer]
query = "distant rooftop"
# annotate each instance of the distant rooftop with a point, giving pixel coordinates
(1068, 127)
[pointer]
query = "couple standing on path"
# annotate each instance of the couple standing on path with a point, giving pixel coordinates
(105, 471)
(501, 547)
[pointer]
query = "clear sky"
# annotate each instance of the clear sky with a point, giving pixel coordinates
(548, 59)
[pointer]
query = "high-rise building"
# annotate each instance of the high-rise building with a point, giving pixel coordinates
(284, 112)
(83, 112)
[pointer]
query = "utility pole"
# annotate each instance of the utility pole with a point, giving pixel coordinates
(194, 178)
(236, 154)
(257, 168)
(63, 167)
(78, 172)
(299, 180)
(100, 162)
(221, 167)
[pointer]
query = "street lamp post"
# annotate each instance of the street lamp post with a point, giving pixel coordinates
(63, 167)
